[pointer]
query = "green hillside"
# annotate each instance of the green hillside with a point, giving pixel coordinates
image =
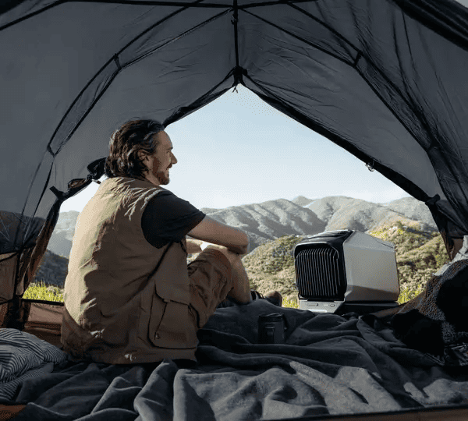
(271, 265)
(418, 254)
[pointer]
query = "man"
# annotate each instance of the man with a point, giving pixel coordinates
(129, 295)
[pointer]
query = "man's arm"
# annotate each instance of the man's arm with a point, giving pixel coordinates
(212, 231)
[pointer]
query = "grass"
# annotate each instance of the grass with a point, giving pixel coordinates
(50, 293)
(290, 303)
(407, 293)
(271, 266)
(41, 291)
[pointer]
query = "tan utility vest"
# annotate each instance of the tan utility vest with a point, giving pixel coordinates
(115, 311)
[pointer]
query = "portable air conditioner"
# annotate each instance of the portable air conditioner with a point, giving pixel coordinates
(344, 271)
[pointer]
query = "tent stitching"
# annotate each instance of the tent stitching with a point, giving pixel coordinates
(320, 22)
(149, 3)
(409, 131)
(197, 5)
(411, 106)
(33, 178)
(183, 34)
(455, 26)
(433, 141)
(118, 69)
(115, 59)
(234, 21)
(197, 103)
(359, 55)
(397, 178)
(32, 14)
(300, 38)
(117, 62)
(189, 4)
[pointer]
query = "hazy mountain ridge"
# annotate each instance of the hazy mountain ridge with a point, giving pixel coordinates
(302, 201)
(270, 220)
(301, 216)
(341, 212)
(61, 240)
(273, 219)
(52, 270)
(413, 209)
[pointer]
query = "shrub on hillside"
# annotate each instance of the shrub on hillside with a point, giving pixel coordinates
(270, 267)
(419, 254)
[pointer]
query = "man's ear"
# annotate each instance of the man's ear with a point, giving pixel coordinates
(144, 157)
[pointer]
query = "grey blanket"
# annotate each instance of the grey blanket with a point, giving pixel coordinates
(435, 321)
(328, 365)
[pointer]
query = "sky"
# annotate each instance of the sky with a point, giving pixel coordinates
(238, 150)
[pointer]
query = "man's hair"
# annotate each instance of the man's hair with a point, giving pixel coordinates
(133, 137)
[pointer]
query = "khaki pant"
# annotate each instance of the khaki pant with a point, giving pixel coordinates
(210, 282)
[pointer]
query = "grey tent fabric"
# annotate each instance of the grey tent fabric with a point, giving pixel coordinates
(384, 79)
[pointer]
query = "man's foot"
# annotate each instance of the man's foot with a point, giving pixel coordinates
(274, 297)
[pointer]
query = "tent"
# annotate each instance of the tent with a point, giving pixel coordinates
(384, 79)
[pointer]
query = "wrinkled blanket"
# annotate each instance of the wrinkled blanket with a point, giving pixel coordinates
(329, 364)
(436, 320)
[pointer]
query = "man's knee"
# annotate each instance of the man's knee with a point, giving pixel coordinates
(234, 258)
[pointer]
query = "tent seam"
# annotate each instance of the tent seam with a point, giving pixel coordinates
(117, 62)
(433, 140)
(394, 88)
(234, 21)
(407, 129)
(205, 22)
(174, 117)
(301, 39)
(332, 30)
(147, 3)
(29, 191)
(50, 6)
(351, 149)
(112, 78)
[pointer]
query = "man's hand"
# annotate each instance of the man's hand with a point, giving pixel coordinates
(197, 246)
(193, 246)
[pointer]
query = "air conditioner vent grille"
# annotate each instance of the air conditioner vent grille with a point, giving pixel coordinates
(318, 273)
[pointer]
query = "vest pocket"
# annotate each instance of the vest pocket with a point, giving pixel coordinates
(175, 329)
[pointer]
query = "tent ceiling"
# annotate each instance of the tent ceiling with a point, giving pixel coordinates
(385, 79)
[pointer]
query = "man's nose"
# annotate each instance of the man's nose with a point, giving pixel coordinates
(173, 159)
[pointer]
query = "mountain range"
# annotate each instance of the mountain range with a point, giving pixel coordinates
(301, 216)
(266, 221)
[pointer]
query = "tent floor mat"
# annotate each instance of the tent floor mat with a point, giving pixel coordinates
(7, 412)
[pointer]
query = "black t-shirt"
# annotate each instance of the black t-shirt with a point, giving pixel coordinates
(168, 218)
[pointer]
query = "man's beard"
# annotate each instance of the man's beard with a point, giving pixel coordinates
(160, 175)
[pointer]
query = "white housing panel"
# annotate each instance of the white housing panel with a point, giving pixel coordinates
(371, 271)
